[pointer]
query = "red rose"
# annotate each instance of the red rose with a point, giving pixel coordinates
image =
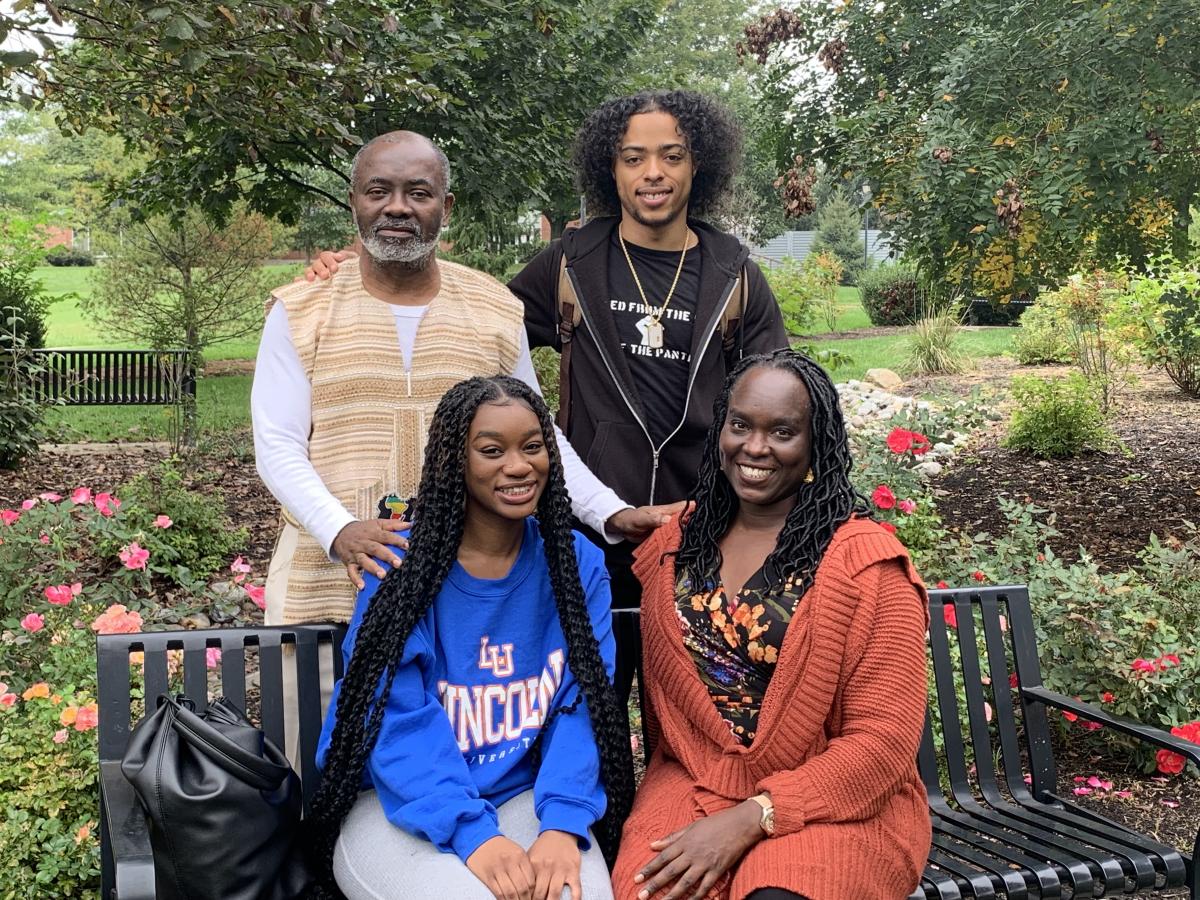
(1012, 681)
(941, 585)
(1169, 763)
(1168, 659)
(883, 497)
(888, 527)
(920, 445)
(978, 576)
(950, 615)
(900, 440)
(1107, 697)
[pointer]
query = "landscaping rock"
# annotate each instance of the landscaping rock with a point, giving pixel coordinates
(884, 378)
(928, 468)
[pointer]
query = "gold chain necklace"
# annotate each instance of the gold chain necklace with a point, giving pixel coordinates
(650, 325)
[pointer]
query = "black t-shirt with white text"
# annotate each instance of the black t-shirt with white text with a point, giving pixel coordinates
(660, 374)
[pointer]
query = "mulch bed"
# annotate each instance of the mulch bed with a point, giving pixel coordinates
(1107, 502)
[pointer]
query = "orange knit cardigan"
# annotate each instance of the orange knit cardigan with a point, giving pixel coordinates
(837, 733)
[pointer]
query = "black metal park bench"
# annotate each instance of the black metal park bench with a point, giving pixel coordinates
(75, 377)
(994, 835)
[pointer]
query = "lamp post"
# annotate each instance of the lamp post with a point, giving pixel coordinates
(866, 195)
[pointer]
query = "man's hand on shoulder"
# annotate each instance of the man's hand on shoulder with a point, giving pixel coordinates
(637, 524)
(359, 544)
(326, 264)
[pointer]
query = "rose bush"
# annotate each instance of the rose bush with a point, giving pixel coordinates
(1129, 640)
(92, 563)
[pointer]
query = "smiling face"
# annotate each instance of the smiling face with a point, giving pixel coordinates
(508, 464)
(399, 201)
(653, 170)
(766, 440)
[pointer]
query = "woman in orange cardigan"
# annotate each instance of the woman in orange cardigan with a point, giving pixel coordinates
(784, 639)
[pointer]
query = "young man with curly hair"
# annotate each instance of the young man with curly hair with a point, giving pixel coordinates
(667, 302)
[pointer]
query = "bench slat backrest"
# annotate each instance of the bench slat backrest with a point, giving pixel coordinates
(974, 709)
(113, 377)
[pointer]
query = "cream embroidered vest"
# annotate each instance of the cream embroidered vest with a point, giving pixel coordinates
(370, 417)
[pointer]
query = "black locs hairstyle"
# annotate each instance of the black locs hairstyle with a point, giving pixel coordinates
(712, 135)
(407, 592)
(822, 504)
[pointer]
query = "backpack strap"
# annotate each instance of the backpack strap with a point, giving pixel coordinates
(731, 319)
(569, 316)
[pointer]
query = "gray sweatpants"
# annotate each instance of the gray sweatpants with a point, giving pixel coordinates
(375, 860)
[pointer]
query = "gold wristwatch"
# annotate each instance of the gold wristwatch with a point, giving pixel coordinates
(767, 822)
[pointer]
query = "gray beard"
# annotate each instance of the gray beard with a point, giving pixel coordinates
(414, 253)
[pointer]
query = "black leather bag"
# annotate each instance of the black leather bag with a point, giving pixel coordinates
(223, 804)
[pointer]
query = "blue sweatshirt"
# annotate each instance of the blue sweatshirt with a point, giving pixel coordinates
(477, 678)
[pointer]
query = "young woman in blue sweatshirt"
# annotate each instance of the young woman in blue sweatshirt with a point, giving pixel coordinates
(475, 740)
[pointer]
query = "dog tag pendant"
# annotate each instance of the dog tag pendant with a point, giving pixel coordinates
(652, 334)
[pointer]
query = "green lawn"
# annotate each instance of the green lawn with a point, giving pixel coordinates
(67, 326)
(889, 351)
(223, 403)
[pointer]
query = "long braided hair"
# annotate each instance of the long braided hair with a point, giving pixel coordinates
(406, 594)
(821, 505)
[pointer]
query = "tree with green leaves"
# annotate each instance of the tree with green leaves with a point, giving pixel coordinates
(1006, 143)
(243, 99)
(181, 281)
(839, 231)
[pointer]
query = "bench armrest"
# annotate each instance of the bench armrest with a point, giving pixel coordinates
(1148, 733)
(128, 835)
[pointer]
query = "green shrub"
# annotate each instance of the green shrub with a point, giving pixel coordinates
(825, 273)
(23, 303)
(65, 256)
(796, 294)
(931, 346)
(1044, 336)
(21, 412)
(201, 538)
(1056, 417)
(891, 294)
(1163, 312)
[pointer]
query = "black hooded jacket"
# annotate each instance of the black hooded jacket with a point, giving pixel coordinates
(607, 419)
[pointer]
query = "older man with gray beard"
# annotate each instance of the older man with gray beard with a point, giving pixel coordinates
(349, 372)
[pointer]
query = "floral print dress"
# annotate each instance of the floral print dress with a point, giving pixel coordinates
(735, 643)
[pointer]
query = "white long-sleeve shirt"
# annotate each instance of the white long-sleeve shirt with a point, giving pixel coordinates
(281, 410)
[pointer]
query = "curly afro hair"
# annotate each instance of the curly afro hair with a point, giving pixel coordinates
(713, 138)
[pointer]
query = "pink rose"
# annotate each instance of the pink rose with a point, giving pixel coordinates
(212, 657)
(9, 516)
(163, 522)
(33, 623)
(43, 538)
(134, 556)
(10, 700)
(239, 565)
(27, 505)
(58, 594)
(60, 736)
(908, 507)
(1143, 665)
(87, 718)
(256, 594)
(81, 495)
(106, 504)
(49, 496)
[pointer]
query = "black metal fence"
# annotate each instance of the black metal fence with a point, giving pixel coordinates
(113, 377)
